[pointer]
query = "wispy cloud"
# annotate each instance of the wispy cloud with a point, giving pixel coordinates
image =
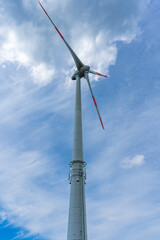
(28, 185)
(127, 163)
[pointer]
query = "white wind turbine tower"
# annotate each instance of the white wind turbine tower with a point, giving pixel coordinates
(77, 224)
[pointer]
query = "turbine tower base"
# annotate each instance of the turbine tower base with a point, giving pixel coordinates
(77, 227)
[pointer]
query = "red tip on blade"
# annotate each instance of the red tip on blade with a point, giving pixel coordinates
(94, 101)
(101, 123)
(101, 75)
(98, 73)
(97, 110)
(51, 20)
(59, 33)
(43, 8)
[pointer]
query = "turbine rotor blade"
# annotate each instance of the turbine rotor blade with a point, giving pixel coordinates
(99, 74)
(87, 78)
(77, 61)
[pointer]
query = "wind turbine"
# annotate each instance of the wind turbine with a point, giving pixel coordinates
(77, 224)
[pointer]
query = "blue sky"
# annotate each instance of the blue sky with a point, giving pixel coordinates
(115, 37)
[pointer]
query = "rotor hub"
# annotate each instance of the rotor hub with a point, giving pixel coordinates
(80, 72)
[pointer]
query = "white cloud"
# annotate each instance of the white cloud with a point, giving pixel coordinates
(13, 50)
(42, 74)
(94, 51)
(138, 160)
(95, 40)
(18, 49)
(95, 46)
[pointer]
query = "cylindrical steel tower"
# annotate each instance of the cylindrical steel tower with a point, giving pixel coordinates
(77, 226)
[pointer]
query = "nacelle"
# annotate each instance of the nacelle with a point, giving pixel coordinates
(80, 72)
